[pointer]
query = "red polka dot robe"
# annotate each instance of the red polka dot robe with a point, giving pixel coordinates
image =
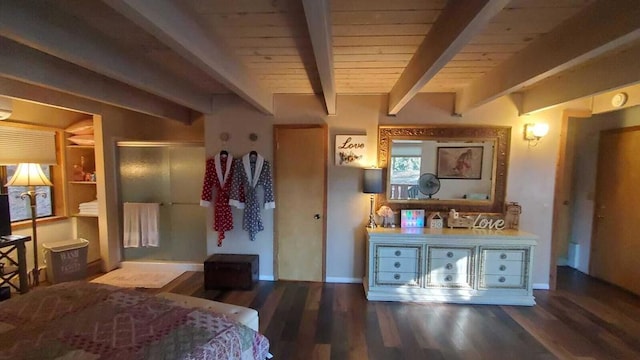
(217, 178)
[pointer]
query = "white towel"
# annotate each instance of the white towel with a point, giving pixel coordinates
(149, 214)
(131, 225)
(88, 208)
(140, 224)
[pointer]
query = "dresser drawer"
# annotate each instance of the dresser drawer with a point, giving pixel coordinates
(397, 252)
(447, 266)
(396, 278)
(437, 279)
(512, 268)
(502, 281)
(494, 255)
(450, 253)
(409, 265)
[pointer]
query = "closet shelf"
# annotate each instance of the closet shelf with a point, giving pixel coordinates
(83, 182)
(85, 215)
(80, 146)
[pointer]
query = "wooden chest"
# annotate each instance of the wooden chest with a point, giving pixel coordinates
(231, 271)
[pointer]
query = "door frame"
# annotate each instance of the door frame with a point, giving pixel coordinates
(325, 137)
(598, 187)
(562, 188)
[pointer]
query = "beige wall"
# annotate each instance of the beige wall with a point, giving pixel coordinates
(530, 180)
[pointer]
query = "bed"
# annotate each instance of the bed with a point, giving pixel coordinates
(87, 321)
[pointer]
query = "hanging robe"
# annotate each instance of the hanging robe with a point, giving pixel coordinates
(217, 177)
(250, 172)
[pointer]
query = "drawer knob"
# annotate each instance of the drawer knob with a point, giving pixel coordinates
(503, 256)
(503, 268)
(449, 266)
(450, 254)
(397, 264)
(398, 253)
(448, 278)
(502, 279)
(396, 276)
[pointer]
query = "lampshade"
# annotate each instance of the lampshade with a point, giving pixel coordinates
(372, 181)
(29, 174)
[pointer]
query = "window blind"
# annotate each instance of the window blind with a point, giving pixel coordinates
(20, 145)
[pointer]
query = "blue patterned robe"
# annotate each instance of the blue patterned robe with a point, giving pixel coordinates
(250, 172)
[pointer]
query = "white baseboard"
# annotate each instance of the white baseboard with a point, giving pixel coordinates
(345, 280)
(540, 286)
(162, 265)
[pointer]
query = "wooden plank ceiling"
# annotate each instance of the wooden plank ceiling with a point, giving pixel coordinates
(257, 48)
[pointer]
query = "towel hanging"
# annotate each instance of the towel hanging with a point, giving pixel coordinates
(140, 224)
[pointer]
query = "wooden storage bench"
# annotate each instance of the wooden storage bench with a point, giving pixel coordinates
(231, 271)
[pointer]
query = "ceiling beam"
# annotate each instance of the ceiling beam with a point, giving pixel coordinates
(34, 93)
(454, 28)
(599, 28)
(19, 62)
(319, 23)
(604, 74)
(176, 28)
(42, 26)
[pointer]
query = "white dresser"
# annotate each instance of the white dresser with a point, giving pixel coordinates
(450, 265)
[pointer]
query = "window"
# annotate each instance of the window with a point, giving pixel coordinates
(19, 208)
(405, 170)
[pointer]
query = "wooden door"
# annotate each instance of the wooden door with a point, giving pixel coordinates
(300, 183)
(615, 244)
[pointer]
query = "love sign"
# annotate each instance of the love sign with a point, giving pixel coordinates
(350, 150)
(490, 224)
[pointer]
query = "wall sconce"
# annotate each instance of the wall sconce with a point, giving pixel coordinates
(535, 132)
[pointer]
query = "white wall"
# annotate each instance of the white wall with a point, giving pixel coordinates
(530, 180)
(585, 168)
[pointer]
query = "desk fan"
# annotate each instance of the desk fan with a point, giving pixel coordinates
(428, 184)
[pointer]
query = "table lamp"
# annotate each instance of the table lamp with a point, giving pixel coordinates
(31, 175)
(372, 185)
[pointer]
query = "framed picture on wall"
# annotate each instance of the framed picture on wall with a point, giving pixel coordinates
(350, 150)
(459, 162)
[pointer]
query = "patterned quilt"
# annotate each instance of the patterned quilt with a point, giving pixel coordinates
(87, 321)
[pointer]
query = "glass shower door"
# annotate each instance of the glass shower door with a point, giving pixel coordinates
(171, 176)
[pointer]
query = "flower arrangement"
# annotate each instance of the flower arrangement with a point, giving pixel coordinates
(386, 214)
(347, 158)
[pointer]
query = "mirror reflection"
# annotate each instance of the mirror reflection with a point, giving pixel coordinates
(439, 167)
(440, 170)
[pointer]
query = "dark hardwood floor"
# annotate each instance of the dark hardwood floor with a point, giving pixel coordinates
(584, 319)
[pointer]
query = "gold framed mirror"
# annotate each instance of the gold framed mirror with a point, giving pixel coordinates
(440, 167)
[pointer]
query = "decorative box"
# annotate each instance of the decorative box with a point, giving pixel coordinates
(231, 271)
(435, 221)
